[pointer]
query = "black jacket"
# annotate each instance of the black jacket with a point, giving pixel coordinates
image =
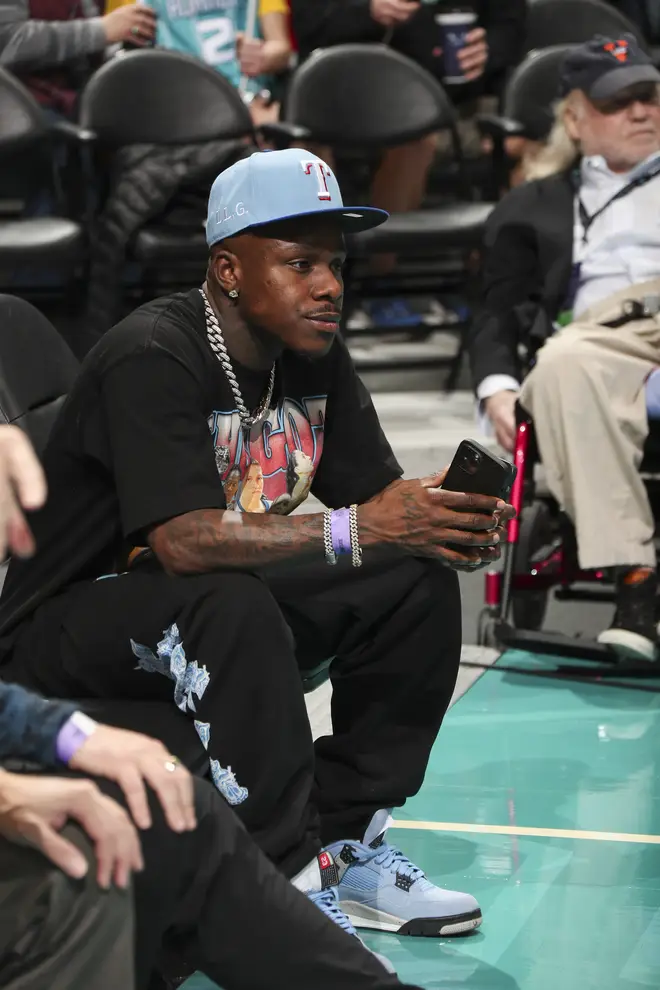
(527, 268)
(147, 181)
(323, 23)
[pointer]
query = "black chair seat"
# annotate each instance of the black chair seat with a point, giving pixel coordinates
(53, 241)
(460, 225)
(161, 244)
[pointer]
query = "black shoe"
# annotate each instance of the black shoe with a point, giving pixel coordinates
(633, 633)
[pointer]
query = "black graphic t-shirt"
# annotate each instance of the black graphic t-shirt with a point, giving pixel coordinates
(150, 431)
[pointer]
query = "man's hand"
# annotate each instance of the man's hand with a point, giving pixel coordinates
(424, 520)
(390, 13)
(501, 411)
(473, 56)
(131, 760)
(22, 485)
(33, 810)
(135, 23)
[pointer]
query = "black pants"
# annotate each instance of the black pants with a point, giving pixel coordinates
(206, 900)
(392, 626)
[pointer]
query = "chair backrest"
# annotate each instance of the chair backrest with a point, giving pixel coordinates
(366, 96)
(37, 369)
(565, 22)
(161, 97)
(533, 89)
(21, 118)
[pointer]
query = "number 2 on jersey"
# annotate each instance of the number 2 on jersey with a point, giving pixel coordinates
(216, 39)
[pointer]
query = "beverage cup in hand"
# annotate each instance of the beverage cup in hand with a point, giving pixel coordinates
(454, 26)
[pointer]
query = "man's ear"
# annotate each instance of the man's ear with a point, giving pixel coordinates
(571, 117)
(226, 269)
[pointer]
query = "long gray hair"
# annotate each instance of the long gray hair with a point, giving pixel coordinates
(560, 151)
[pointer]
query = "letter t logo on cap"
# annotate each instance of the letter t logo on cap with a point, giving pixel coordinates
(322, 171)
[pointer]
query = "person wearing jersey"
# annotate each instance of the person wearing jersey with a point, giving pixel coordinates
(216, 32)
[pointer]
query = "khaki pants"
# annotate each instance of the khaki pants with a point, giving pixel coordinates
(586, 397)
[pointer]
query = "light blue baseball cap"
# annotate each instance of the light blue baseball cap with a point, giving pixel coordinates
(278, 185)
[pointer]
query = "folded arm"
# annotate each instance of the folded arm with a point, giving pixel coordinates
(29, 44)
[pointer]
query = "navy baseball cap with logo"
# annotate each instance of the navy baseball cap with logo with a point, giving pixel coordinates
(603, 67)
(278, 185)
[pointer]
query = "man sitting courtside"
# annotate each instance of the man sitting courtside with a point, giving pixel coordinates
(575, 254)
(194, 429)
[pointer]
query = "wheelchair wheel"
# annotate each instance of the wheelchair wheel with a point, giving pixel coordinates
(528, 608)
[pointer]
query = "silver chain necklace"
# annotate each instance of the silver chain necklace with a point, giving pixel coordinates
(219, 348)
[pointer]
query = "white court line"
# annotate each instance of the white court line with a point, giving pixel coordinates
(548, 833)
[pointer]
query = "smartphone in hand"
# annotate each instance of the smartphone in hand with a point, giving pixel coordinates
(478, 471)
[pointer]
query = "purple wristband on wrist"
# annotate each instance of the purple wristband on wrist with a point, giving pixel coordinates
(75, 731)
(341, 531)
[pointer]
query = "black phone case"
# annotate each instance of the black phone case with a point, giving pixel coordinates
(492, 475)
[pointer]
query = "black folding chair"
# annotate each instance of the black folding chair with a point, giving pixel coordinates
(565, 22)
(527, 108)
(37, 369)
(55, 243)
(368, 98)
(164, 99)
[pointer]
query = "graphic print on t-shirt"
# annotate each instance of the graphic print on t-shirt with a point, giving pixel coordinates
(273, 470)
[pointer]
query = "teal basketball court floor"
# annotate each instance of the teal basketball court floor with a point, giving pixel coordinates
(542, 798)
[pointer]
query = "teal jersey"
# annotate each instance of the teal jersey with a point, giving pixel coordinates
(205, 29)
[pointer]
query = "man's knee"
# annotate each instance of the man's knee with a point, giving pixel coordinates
(242, 596)
(563, 355)
(44, 912)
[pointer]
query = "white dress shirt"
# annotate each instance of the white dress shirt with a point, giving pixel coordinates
(622, 246)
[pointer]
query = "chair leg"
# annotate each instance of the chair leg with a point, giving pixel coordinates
(456, 366)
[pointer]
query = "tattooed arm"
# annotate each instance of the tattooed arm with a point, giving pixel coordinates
(409, 515)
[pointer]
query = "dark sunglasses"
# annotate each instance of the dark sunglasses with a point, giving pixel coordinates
(647, 93)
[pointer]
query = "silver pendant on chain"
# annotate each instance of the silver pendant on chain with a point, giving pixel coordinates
(222, 459)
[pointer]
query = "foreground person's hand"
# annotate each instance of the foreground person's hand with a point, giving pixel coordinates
(33, 811)
(133, 760)
(22, 486)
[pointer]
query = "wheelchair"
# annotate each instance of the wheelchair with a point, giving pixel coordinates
(540, 559)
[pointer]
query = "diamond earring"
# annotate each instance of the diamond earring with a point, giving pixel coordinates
(233, 293)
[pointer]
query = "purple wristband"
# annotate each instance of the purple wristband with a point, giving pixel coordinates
(341, 531)
(75, 731)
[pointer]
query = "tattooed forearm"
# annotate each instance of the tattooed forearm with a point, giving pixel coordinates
(208, 539)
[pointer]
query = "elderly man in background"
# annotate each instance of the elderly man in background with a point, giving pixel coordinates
(577, 252)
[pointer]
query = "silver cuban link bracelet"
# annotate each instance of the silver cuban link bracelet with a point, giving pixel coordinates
(356, 549)
(330, 555)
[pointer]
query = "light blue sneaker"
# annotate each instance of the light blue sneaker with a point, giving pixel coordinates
(318, 881)
(380, 888)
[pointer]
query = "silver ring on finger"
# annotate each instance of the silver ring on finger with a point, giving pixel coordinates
(135, 31)
(171, 764)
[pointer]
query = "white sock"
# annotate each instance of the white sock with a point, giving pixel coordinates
(309, 879)
(380, 823)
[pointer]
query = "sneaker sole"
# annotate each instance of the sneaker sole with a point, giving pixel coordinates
(362, 916)
(630, 645)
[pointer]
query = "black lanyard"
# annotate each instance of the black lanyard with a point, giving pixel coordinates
(587, 220)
